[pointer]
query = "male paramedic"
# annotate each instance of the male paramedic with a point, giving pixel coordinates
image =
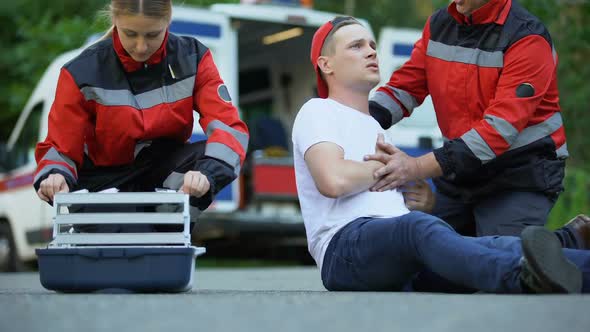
(491, 70)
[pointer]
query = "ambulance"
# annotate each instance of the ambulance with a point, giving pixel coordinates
(262, 53)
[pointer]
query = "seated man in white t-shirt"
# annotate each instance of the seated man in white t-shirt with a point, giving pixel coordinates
(363, 240)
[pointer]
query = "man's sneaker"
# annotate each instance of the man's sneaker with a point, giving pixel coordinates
(580, 228)
(544, 267)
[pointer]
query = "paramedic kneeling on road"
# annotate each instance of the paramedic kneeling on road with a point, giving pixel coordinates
(491, 70)
(364, 240)
(123, 113)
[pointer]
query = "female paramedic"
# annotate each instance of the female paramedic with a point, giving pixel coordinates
(123, 114)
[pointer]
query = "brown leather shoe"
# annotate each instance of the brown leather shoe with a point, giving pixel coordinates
(580, 227)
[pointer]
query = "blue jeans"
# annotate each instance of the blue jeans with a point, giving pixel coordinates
(379, 254)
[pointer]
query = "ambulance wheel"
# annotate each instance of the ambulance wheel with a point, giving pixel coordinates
(8, 258)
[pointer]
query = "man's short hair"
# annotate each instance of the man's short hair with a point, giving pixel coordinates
(328, 47)
(322, 44)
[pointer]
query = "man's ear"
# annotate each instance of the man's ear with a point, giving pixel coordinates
(325, 65)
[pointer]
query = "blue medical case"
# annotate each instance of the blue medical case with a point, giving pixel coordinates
(148, 259)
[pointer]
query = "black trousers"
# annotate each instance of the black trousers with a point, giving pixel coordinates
(162, 164)
(506, 213)
(150, 169)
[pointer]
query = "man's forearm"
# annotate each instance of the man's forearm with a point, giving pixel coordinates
(351, 177)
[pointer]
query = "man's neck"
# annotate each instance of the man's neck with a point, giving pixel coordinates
(358, 100)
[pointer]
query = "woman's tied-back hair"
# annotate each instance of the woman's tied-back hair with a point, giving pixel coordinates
(149, 8)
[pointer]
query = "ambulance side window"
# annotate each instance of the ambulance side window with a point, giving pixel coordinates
(23, 151)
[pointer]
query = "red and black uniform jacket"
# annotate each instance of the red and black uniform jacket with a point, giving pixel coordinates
(108, 106)
(492, 77)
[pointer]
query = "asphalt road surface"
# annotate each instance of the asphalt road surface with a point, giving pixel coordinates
(280, 299)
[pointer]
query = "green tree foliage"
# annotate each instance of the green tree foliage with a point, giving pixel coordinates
(379, 12)
(35, 32)
(575, 200)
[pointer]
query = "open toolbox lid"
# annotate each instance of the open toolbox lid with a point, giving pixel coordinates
(168, 209)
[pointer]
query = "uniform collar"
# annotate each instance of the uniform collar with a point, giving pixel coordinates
(494, 11)
(131, 65)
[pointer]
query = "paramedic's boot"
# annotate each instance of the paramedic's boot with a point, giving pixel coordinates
(544, 267)
(579, 227)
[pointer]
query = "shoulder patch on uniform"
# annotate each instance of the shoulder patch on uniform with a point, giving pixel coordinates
(525, 90)
(223, 93)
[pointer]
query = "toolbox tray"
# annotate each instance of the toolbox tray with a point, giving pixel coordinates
(133, 269)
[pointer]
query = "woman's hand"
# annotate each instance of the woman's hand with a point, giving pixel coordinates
(195, 184)
(53, 184)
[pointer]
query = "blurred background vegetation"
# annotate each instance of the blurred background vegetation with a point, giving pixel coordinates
(33, 32)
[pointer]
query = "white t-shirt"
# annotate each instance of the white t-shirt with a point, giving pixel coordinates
(325, 120)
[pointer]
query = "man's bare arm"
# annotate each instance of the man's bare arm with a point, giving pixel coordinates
(334, 176)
